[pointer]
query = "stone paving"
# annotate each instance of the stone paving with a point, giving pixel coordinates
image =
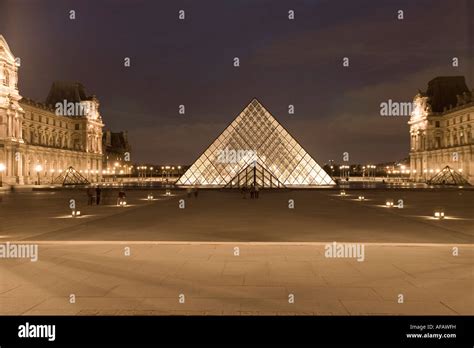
(191, 252)
(258, 281)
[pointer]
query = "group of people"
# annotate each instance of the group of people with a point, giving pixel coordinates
(94, 195)
(191, 191)
(254, 192)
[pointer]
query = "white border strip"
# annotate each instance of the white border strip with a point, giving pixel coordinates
(145, 242)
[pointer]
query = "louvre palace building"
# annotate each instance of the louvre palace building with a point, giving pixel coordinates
(38, 141)
(441, 130)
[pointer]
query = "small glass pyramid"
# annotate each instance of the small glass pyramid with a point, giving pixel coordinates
(71, 177)
(255, 150)
(448, 176)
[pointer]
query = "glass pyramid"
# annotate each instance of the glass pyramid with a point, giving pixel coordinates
(255, 150)
(448, 176)
(71, 177)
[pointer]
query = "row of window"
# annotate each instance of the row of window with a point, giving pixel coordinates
(439, 141)
(453, 121)
(52, 122)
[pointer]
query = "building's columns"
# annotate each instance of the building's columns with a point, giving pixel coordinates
(10, 177)
(19, 162)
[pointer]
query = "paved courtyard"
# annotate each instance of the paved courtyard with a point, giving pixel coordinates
(183, 261)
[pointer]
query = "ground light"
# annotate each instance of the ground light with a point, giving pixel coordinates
(389, 203)
(150, 197)
(168, 193)
(439, 214)
(342, 193)
(361, 198)
(122, 204)
(75, 213)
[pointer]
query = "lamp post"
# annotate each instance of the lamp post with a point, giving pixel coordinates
(167, 173)
(38, 169)
(2, 169)
(371, 171)
(52, 175)
(344, 171)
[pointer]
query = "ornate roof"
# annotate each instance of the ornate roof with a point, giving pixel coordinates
(66, 90)
(443, 92)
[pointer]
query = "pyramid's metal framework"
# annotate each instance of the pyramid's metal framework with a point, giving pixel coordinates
(448, 176)
(262, 153)
(71, 177)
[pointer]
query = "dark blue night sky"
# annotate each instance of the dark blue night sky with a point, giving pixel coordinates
(282, 62)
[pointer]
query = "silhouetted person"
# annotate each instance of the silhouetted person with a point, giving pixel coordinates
(98, 192)
(121, 197)
(195, 193)
(90, 196)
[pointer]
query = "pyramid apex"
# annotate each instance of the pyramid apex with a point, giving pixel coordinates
(255, 101)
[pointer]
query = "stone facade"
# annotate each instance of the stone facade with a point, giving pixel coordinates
(441, 129)
(37, 142)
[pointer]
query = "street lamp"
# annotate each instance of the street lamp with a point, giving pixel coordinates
(344, 171)
(371, 171)
(2, 169)
(38, 169)
(52, 175)
(168, 172)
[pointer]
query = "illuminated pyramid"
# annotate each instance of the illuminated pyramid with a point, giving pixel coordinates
(71, 177)
(448, 176)
(255, 150)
